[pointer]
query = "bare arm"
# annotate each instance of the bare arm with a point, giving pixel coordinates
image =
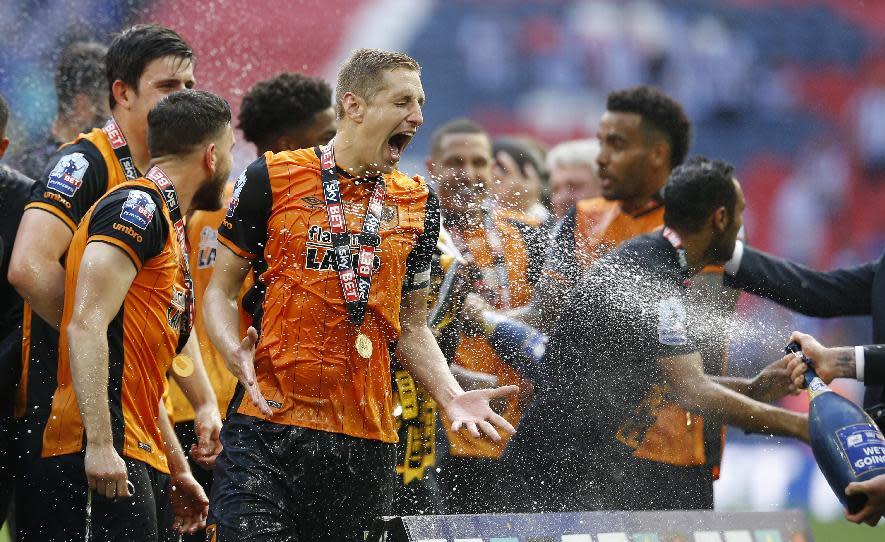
(198, 390)
(105, 274)
(419, 353)
(189, 502)
(35, 268)
(695, 392)
(222, 322)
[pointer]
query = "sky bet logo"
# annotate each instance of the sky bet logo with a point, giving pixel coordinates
(319, 254)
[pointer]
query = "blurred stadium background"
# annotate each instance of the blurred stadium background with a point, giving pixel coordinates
(791, 91)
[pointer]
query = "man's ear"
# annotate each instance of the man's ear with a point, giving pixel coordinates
(123, 94)
(210, 157)
(660, 153)
(4, 144)
(354, 107)
(720, 219)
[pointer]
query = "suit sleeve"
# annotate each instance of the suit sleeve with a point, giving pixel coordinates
(244, 228)
(874, 364)
(74, 180)
(560, 262)
(842, 292)
(131, 220)
(420, 258)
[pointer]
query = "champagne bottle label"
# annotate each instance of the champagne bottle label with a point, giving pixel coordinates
(864, 447)
(816, 387)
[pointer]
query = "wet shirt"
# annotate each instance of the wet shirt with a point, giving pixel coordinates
(77, 175)
(143, 336)
(306, 362)
(624, 314)
(14, 194)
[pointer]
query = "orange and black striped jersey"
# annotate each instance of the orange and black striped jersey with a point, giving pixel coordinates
(142, 338)
(475, 353)
(306, 362)
(77, 175)
(592, 229)
(202, 234)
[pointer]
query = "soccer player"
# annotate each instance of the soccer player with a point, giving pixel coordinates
(81, 92)
(144, 63)
(128, 309)
(621, 345)
(288, 111)
(14, 193)
(309, 442)
(574, 174)
(500, 250)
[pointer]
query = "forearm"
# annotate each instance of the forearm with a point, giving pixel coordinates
(222, 322)
(44, 290)
(419, 354)
(708, 397)
(89, 368)
(196, 386)
(171, 447)
(543, 311)
(744, 386)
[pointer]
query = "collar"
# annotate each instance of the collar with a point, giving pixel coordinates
(676, 242)
(346, 174)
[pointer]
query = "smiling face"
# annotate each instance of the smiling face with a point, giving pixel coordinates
(392, 115)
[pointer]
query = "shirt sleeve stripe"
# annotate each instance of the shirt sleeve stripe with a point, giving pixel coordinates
(234, 248)
(119, 244)
(54, 211)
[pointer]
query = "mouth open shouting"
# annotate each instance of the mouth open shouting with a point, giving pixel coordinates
(397, 144)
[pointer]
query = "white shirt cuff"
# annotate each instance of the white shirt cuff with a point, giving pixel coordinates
(732, 265)
(859, 362)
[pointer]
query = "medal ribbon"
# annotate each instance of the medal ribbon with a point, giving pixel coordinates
(167, 189)
(121, 149)
(355, 284)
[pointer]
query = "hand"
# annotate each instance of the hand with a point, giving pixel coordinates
(874, 508)
(106, 472)
(471, 409)
(774, 382)
(207, 426)
(472, 309)
(829, 363)
(189, 503)
(243, 367)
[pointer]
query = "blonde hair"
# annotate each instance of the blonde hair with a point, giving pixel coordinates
(578, 152)
(362, 73)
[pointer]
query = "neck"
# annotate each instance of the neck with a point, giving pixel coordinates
(136, 137)
(349, 156)
(695, 245)
(636, 203)
(181, 172)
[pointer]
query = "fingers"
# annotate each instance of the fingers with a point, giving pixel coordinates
(250, 340)
(499, 421)
(472, 429)
(258, 399)
(503, 391)
(489, 430)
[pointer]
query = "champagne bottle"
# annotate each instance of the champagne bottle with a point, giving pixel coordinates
(520, 346)
(847, 445)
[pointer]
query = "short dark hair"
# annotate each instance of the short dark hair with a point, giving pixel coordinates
(184, 120)
(4, 115)
(136, 47)
(524, 151)
(460, 125)
(81, 70)
(660, 113)
(695, 190)
(363, 71)
(282, 103)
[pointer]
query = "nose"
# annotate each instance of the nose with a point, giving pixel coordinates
(416, 116)
(602, 158)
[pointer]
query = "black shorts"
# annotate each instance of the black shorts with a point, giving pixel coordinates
(285, 483)
(58, 513)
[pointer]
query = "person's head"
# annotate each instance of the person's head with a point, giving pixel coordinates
(574, 174)
(460, 165)
(145, 63)
(81, 85)
(194, 126)
(4, 119)
(527, 188)
(288, 111)
(703, 198)
(378, 101)
(643, 135)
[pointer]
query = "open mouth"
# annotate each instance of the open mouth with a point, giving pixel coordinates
(398, 143)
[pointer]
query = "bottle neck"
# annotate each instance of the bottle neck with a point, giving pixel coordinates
(814, 384)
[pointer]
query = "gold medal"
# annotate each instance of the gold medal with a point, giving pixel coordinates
(364, 345)
(183, 365)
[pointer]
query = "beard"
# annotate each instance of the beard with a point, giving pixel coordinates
(208, 195)
(721, 247)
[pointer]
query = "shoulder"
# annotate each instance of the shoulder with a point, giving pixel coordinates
(72, 162)
(13, 181)
(594, 206)
(650, 249)
(301, 158)
(137, 204)
(403, 187)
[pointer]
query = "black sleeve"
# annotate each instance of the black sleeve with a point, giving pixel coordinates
(560, 260)
(75, 178)
(244, 228)
(842, 292)
(421, 256)
(874, 364)
(130, 219)
(536, 243)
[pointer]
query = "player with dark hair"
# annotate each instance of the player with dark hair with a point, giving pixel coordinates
(143, 64)
(111, 453)
(268, 106)
(15, 189)
(347, 242)
(623, 344)
(288, 111)
(82, 104)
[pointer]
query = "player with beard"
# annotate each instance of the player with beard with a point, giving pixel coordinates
(316, 430)
(112, 455)
(621, 344)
